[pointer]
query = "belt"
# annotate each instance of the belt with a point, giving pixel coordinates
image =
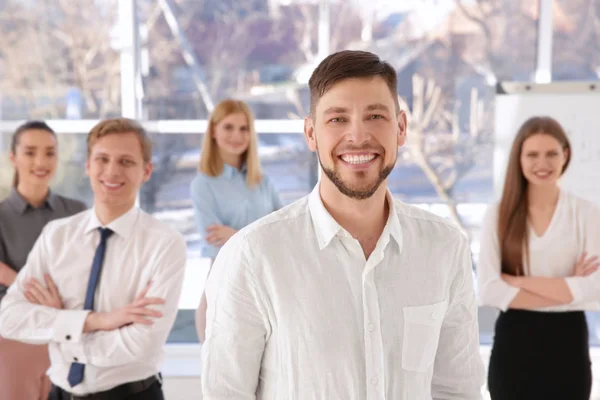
(122, 391)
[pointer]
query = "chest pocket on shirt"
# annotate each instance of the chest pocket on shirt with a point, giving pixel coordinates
(422, 325)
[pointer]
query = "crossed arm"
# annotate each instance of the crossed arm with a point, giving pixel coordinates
(7, 274)
(505, 291)
(537, 291)
(133, 313)
(32, 312)
(208, 223)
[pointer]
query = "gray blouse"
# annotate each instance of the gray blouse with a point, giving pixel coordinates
(21, 224)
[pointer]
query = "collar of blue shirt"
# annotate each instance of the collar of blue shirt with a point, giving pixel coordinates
(122, 226)
(21, 205)
(230, 172)
(326, 228)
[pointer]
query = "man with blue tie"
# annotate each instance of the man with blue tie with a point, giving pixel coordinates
(102, 287)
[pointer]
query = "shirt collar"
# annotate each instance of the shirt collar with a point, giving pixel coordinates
(230, 172)
(21, 205)
(122, 226)
(393, 226)
(326, 227)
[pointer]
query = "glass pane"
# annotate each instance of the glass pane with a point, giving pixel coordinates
(261, 52)
(285, 159)
(576, 40)
(58, 60)
(70, 179)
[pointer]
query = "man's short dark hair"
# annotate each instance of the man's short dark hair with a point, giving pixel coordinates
(350, 64)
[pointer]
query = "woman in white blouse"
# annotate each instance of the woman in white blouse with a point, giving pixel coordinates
(538, 264)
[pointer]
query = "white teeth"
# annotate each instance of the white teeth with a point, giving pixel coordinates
(362, 159)
(112, 185)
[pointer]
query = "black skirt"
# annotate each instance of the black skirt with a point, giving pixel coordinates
(540, 355)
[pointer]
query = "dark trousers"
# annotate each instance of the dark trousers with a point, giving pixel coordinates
(540, 355)
(154, 392)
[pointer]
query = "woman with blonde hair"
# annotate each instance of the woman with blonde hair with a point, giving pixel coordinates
(230, 191)
(538, 265)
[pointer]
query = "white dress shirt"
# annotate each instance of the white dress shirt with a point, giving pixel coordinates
(296, 312)
(142, 249)
(574, 228)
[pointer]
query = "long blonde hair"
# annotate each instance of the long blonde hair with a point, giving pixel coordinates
(211, 162)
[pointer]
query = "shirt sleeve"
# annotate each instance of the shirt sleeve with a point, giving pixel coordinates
(136, 342)
(274, 195)
(237, 326)
(587, 288)
(492, 289)
(459, 371)
(205, 211)
(32, 323)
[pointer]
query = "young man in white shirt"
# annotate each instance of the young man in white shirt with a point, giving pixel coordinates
(102, 287)
(347, 293)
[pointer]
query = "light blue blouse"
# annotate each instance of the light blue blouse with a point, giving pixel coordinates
(227, 200)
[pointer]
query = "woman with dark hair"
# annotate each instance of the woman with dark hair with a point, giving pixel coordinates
(537, 264)
(23, 214)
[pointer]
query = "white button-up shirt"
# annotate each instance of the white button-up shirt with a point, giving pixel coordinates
(142, 249)
(573, 229)
(295, 311)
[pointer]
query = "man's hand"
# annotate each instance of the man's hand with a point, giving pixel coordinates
(48, 296)
(586, 265)
(134, 313)
(7, 274)
(217, 235)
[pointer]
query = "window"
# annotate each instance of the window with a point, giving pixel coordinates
(201, 52)
(576, 40)
(58, 60)
(62, 62)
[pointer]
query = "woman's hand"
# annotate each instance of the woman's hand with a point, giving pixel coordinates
(586, 266)
(217, 235)
(7, 275)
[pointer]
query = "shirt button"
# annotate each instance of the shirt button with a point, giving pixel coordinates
(371, 327)
(68, 337)
(75, 358)
(432, 315)
(374, 381)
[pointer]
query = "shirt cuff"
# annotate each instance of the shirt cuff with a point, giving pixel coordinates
(73, 352)
(574, 284)
(68, 326)
(511, 293)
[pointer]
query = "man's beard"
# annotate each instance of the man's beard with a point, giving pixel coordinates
(358, 194)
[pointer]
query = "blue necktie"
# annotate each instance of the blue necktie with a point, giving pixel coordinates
(76, 370)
